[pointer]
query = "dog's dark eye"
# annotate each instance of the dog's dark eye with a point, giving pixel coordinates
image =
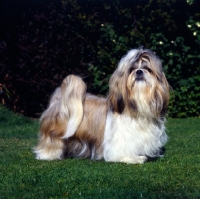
(148, 69)
(131, 70)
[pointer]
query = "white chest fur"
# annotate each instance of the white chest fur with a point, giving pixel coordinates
(132, 140)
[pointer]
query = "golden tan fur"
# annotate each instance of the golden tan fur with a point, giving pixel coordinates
(77, 124)
(91, 129)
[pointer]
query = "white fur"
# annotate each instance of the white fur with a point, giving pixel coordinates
(129, 140)
(130, 57)
(45, 154)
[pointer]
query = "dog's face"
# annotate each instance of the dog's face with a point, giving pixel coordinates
(139, 86)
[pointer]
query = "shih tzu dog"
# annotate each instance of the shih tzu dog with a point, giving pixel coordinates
(127, 126)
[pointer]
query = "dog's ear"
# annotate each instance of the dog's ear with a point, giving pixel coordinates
(166, 94)
(161, 96)
(116, 103)
(116, 97)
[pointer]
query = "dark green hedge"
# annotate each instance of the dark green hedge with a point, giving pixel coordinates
(43, 41)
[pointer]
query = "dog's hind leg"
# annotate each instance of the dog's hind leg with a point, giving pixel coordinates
(61, 119)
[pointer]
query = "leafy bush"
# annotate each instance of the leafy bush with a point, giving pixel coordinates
(51, 39)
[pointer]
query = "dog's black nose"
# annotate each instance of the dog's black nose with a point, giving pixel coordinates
(139, 75)
(139, 72)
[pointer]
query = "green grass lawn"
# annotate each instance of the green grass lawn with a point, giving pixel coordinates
(177, 175)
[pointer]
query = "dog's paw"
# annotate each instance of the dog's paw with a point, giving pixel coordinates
(135, 160)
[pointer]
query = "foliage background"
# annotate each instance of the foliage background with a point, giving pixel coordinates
(41, 41)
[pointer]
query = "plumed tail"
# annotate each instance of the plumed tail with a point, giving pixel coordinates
(65, 111)
(73, 91)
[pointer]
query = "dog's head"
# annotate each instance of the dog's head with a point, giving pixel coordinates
(138, 85)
